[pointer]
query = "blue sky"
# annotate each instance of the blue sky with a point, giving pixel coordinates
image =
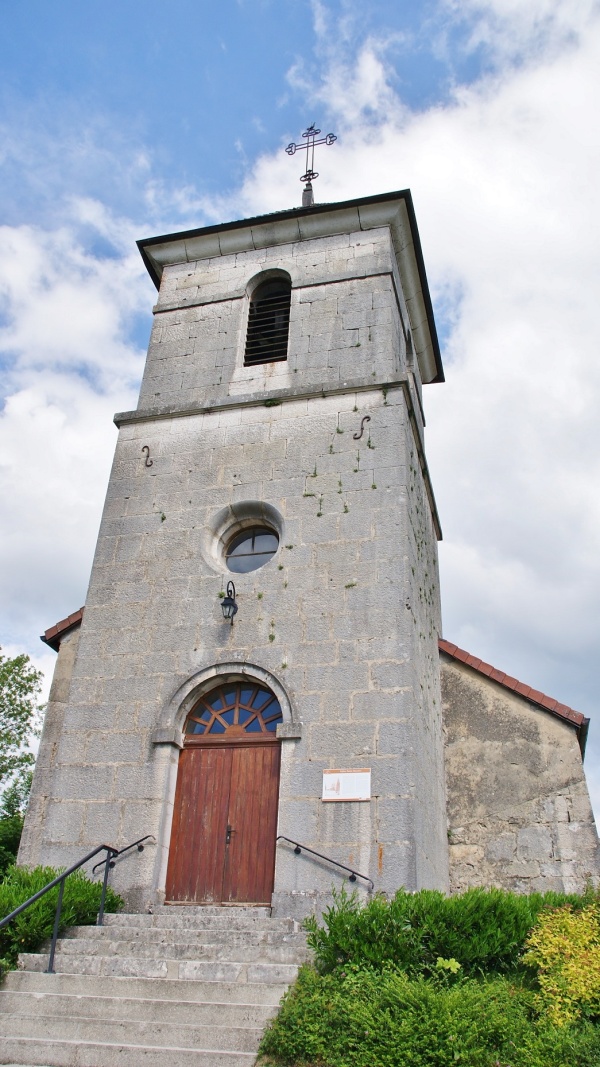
(105, 101)
(123, 120)
(200, 89)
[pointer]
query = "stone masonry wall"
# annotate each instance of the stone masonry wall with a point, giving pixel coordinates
(519, 813)
(344, 322)
(344, 618)
(45, 789)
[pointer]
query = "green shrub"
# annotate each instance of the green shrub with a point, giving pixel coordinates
(483, 929)
(383, 1018)
(26, 933)
(564, 947)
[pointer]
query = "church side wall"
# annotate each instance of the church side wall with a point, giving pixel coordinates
(519, 812)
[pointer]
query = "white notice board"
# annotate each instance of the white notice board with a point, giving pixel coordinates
(347, 785)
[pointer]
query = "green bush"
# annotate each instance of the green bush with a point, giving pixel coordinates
(483, 929)
(26, 933)
(382, 1018)
(564, 948)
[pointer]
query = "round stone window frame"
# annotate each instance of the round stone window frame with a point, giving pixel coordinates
(233, 520)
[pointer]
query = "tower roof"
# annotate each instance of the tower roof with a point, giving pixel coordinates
(395, 210)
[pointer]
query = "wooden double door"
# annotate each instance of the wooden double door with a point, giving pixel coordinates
(225, 823)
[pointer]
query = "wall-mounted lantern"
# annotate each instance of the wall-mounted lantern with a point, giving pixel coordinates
(228, 604)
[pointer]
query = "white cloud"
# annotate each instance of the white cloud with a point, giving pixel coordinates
(511, 29)
(69, 364)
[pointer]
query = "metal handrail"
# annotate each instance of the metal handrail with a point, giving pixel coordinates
(353, 875)
(60, 881)
(138, 843)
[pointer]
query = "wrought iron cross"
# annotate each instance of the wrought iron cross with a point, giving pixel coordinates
(311, 134)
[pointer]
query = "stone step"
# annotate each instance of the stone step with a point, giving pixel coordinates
(42, 1052)
(161, 967)
(175, 990)
(193, 987)
(258, 912)
(196, 918)
(131, 1032)
(115, 1007)
(127, 931)
(148, 944)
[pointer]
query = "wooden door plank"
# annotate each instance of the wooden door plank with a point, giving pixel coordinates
(197, 852)
(253, 805)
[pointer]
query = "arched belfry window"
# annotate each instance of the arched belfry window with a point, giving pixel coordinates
(236, 711)
(268, 321)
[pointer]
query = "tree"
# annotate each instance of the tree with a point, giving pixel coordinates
(20, 685)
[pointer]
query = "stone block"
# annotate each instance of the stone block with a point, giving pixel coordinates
(395, 738)
(298, 819)
(102, 822)
(337, 678)
(303, 778)
(501, 849)
(140, 818)
(534, 843)
(343, 742)
(64, 821)
(395, 819)
(116, 747)
(390, 675)
(397, 869)
(521, 871)
(390, 777)
(87, 782)
(137, 782)
(375, 705)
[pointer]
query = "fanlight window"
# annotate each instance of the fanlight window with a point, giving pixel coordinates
(239, 709)
(268, 322)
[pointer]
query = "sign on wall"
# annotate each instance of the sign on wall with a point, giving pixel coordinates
(347, 785)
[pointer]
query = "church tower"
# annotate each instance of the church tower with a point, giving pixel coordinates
(275, 471)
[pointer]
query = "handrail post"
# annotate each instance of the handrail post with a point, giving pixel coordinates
(61, 889)
(60, 882)
(109, 856)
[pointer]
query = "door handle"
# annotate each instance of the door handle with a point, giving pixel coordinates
(228, 834)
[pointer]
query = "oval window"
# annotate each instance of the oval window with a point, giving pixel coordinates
(251, 549)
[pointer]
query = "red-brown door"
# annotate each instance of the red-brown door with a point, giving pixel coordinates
(225, 824)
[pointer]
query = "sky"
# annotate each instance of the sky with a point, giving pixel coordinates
(125, 119)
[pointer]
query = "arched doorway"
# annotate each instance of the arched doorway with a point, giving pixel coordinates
(225, 816)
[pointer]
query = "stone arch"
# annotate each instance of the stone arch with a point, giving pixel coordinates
(170, 729)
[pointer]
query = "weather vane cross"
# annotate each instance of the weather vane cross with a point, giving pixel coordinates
(309, 176)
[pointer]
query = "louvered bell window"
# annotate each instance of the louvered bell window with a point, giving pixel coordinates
(268, 322)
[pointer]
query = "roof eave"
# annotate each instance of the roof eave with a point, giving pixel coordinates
(579, 723)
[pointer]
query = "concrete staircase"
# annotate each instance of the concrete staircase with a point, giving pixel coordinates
(185, 986)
